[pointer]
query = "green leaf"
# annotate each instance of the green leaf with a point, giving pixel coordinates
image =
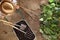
(51, 1)
(48, 31)
(54, 37)
(49, 13)
(53, 4)
(41, 19)
(41, 31)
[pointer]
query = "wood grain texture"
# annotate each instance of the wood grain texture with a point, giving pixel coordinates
(6, 32)
(31, 11)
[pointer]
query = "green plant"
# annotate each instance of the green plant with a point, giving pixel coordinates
(50, 19)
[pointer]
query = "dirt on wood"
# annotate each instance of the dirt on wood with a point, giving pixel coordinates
(31, 11)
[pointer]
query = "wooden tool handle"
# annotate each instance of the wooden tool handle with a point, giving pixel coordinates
(11, 24)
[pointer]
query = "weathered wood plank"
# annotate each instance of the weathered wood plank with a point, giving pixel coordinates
(7, 32)
(31, 10)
